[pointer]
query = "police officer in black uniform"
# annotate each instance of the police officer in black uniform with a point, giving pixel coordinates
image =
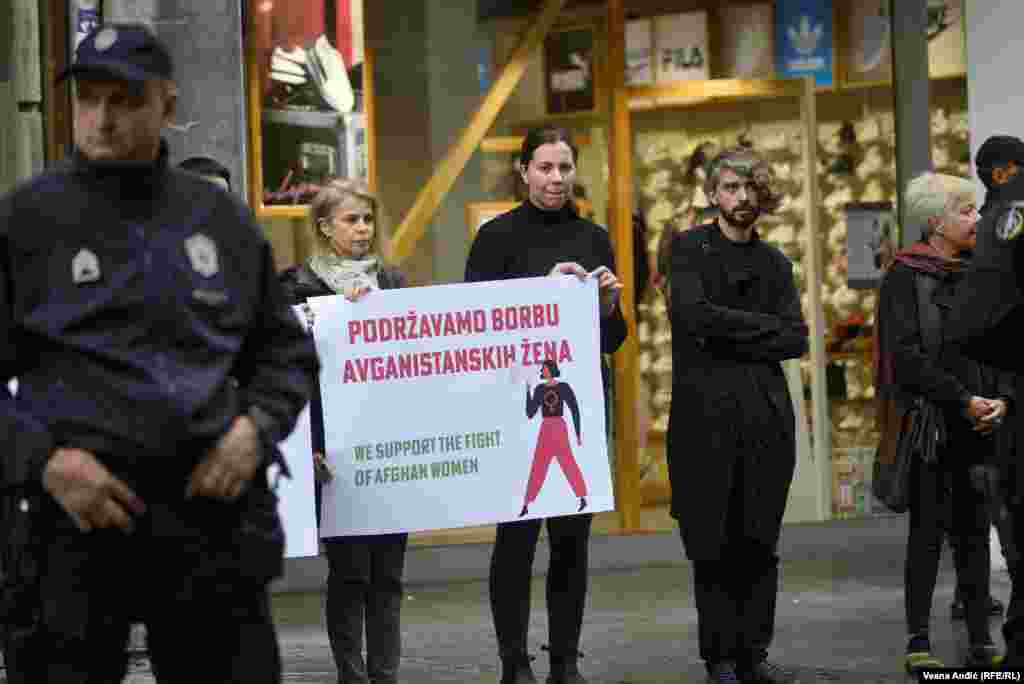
(998, 161)
(158, 366)
(990, 313)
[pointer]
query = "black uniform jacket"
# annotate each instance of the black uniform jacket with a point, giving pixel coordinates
(990, 302)
(141, 313)
(735, 315)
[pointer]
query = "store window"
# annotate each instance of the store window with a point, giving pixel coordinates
(307, 98)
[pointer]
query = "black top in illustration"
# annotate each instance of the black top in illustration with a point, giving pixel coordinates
(551, 399)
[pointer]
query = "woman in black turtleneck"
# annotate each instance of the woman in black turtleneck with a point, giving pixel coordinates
(542, 236)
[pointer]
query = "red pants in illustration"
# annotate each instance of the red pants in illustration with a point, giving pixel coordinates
(553, 442)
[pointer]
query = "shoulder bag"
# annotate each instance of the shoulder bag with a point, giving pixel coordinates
(909, 430)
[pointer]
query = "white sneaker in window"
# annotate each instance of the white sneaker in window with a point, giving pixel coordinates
(288, 67)
(330, 75)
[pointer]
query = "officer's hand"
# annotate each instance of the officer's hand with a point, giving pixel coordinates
(89, 493)
(229, 467)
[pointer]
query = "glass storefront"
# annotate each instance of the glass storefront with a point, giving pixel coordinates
(335, 88)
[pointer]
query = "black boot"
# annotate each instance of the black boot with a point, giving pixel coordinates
(565, 669)
(517, 670)
(722, 673)
(764, 672)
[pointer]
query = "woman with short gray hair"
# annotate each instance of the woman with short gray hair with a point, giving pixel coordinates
(918, 367)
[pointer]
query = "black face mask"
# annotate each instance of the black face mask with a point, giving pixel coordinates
(1013, 189)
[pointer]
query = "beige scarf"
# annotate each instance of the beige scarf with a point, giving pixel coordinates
(345, 274)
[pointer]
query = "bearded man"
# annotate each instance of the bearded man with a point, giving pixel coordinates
(735, 316)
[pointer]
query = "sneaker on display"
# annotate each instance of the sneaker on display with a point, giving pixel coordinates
(330, 76)
(287, 67)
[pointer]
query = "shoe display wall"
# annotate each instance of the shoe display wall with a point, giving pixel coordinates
(665, 144)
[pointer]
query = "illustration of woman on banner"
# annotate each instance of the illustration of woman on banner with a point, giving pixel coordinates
(551, 397)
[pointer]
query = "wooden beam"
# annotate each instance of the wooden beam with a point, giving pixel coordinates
(370, 110)
(655, 493)
(814, 273)
(731, 88)
(254, 99)
(56, 99)
(292, 211)
(627, 375)
(510, 144)
(414, 225)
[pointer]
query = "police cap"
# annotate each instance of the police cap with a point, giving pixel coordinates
(999, 150)
(128, 52)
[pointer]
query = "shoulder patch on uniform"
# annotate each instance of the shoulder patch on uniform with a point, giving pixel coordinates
(85, 267)
(105, 39)
(202, 252)
(1012, 224)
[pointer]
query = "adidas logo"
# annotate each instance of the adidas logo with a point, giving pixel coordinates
(805, 39)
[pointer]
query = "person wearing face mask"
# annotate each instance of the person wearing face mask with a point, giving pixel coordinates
(915, 361)
(364, 577)
(546, 236)
(731, 447)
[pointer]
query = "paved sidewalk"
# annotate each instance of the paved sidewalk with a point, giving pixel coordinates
(840, 616)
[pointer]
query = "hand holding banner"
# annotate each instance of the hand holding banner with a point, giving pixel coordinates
(427, 422)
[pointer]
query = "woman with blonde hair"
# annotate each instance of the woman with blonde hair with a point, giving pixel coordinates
(965, 401)
(364, 578)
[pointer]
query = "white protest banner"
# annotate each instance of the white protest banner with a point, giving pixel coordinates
(296, 497)
(436, 413)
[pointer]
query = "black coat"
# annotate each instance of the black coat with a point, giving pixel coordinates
(299, 284)
(735, 315)
(990, 303)
(944, 375)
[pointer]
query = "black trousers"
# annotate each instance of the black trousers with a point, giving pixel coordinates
(511, 567)
(364, 588)
(736, 592)
(195, 573)
(944, 502)
(1013, 626)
